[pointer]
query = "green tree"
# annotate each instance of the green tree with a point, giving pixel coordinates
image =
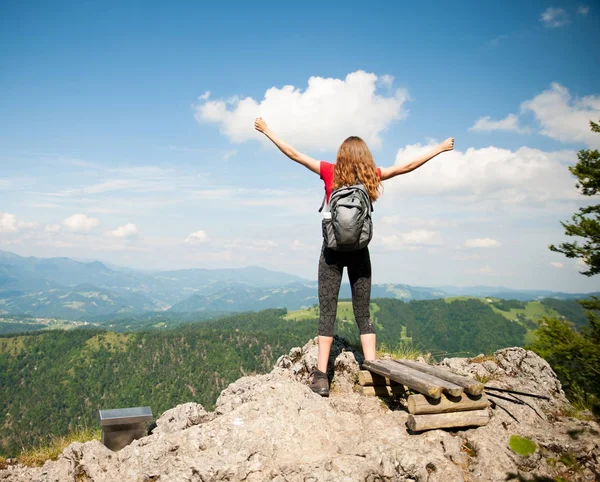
(586, 222)
(574, 356)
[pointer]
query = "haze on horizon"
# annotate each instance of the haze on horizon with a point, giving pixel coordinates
(126, 134)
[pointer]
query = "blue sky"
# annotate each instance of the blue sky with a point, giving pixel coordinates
(126, 133)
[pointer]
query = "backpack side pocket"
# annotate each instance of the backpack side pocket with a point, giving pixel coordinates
(328, 234)
(366, 234)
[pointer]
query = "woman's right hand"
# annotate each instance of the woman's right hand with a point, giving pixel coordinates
(448, 144)
(260, 125)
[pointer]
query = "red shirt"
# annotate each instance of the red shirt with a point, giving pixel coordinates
(326, 171)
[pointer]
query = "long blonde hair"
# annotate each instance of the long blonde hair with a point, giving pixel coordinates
(354, 164)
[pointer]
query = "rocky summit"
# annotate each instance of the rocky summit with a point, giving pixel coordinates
(272, 427)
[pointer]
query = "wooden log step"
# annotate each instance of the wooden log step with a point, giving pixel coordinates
(414, 383)
(472, 387)
(368, 379)
(434, 386)
(420, 404)
(447, 387)
(382, 391)
(473, 418)
(413, 379)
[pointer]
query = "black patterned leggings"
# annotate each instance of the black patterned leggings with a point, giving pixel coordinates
(331, 268)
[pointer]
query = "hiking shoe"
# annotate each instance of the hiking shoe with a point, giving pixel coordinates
(320, 383)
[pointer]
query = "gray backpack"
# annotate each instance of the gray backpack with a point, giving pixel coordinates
(349, 228)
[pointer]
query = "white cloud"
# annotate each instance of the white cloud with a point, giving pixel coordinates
(466, 257)
(53, 228)
(554, 17)
(391, 220)
(229, 154)
(80, 223)
(318, 117)
(486, 270)
(564, 118)
(293, 200)
(496, 40)
(481, 243)
(583, 10)
(70, 161)
(42, 205)
(251, 244)
(557, 265)
(396, 220)
(387, 80)
(509, 123)
(8, 223)
(422, 237)
(197, 237)
(126, 231)
(415, 238)
(114, 185)
(491, 173)
(195, 150)
(136, 180)
(26, 225)
(297, 245)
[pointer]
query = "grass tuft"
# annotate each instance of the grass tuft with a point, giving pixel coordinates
(468, 448)
(486, 378)
(483, 358)
(586, 405)
(570, 460)
(406, 351)
(578, 411)
(35, 457)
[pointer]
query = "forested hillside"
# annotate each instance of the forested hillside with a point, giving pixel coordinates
(462, 327)
(570, 310)
(459, 326)
(52, 381)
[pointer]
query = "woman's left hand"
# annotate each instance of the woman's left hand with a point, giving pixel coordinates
(448, 144)
(260, 125)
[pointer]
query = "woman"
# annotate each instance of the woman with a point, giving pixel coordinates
(354, 164)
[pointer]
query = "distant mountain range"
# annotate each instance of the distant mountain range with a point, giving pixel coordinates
(76, 290)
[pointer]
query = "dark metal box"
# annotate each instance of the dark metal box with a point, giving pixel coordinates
(121, 426)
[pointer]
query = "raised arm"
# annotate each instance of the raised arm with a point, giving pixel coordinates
(389, 172)
(261, 126)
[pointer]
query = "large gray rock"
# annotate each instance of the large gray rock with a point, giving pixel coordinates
(182, 417)
(516, 369)
(272, 427)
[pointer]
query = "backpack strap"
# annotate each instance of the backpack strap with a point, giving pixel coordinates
(323, 203)
(362, 188)
(364, 191)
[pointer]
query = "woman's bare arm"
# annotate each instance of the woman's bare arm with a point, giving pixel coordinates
(315, 166)
(389, 172)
